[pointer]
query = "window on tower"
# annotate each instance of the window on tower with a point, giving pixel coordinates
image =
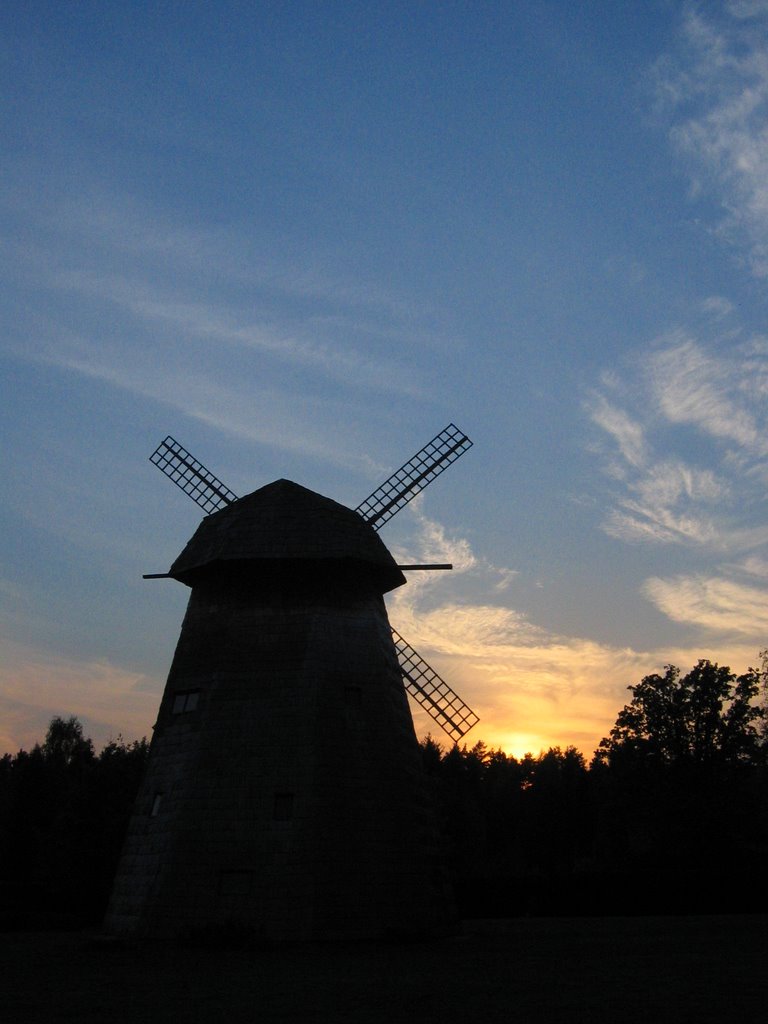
(185, 701)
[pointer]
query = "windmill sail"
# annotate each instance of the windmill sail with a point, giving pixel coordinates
(414, 476)
(191, 476)
(424, 684)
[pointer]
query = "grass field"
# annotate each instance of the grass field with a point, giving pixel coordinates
(649, 970)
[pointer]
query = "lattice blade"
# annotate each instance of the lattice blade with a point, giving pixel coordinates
(414, 476)
(433, 693)
(191, 476)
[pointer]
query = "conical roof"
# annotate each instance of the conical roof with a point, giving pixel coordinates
(284, 522)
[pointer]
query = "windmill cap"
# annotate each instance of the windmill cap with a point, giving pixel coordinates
(284, 522)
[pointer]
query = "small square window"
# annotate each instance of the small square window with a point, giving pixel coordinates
(186, 701)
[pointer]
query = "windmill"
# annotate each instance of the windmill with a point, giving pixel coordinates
(283, 790)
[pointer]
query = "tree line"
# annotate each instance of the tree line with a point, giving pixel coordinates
(64, 811)
(669, 816)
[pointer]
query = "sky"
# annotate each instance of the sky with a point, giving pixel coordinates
(302, 238)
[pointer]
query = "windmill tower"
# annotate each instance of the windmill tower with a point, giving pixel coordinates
(284, 789)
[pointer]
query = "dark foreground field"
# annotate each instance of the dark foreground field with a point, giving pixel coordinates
(649, 970)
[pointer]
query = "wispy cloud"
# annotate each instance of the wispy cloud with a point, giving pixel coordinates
(670, 480)
(434, 542)
(712, 393)
(626, 432)
(637, 522)
(198, 318)
(747, 8)
(703, 406)
(715, 90)
(268, 415)
(94, 228)
(219, 327)
(720, 605)
(755, 565)
(717, 306)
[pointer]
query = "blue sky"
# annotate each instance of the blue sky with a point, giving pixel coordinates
(302, 238)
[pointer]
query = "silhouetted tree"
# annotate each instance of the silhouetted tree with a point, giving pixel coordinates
(707, 716)
(65, 744)
(431, 754)
(675, 788)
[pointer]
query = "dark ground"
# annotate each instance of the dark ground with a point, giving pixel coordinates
(569, 970)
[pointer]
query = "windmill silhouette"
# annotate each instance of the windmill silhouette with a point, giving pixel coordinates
(283, 791)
